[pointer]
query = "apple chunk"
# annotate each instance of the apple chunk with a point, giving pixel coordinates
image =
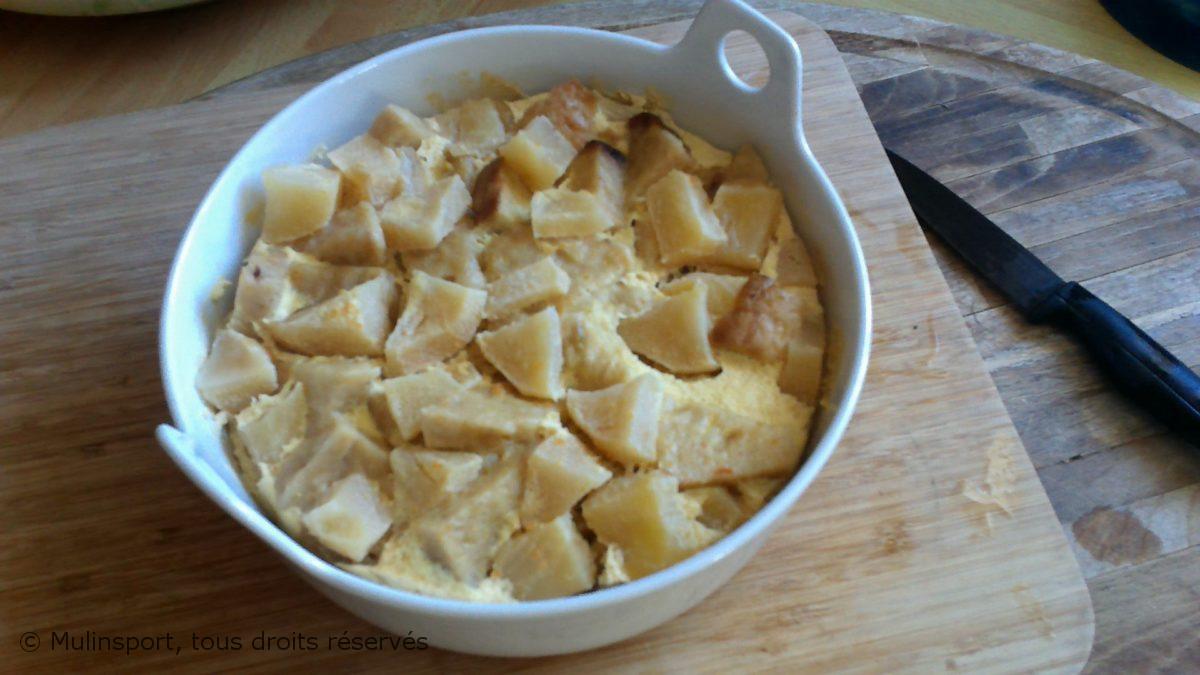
(351, 323)
(236, 370)
(426, 478)
(475, 420)
(648, 519)
(654, 151)
(558, 473)
(721, 290)
(803, 360)
(371, 168)
(622, 420)
(549, 560)
(559, 212)
(476, 127)
(440, 317)
(464, 533)
(674, 333)
(702, 444)
(685, 226)
(352, 520)
(353, 237)
(538, 153)
(300, 199)
(397, 126)
(419, 222)
(748, 213)
(528, 352)
(499, 198)
(400, 400)
(525, 287)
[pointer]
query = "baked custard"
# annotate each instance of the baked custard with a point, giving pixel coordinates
(525, 348)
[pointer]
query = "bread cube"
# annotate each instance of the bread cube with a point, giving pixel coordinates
(480, 420)
(674, 333)
(353, 237)
(455, 259)
(476, 127)
(440, 317)
(559, 212)
(718, 508)
(419, 222)
(721, 290)
(621, 420)
(748, 213)
(644, 515)
(747, 166)
(237, 369)
(424, 479)
(558, 473)
(525, 287)
(463, 534)
(702, 444)
(538, 154)
(571, 107)
(398, 126)
(352, 323)
(370, 169)
(795, 266)
(352, 520)
(528, 352)
(300, 199)
(400, 400)
(550, 560)
(764, 318)
(654, 151)
(272, 426)
(685, 226)
(599, 168)
(803, 360)
(499, 198)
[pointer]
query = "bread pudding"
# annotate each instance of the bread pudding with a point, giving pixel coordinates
(525, 348)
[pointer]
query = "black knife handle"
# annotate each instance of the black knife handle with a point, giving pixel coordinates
(1141, 367)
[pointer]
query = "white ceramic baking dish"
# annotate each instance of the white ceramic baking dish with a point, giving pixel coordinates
(705, 97)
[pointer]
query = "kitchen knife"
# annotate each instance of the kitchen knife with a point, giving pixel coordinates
(1139, 366)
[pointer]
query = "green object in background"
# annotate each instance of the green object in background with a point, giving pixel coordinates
(1169, 27)
(91, 7)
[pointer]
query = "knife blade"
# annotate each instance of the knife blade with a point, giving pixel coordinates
(1140, 367)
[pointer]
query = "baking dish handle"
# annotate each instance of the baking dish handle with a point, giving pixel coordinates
(701, 53)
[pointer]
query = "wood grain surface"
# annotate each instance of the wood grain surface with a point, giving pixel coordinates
(885, 565)
(55, 71)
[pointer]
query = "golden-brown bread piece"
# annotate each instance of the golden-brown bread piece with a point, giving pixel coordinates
(764, 315)
(571, 107)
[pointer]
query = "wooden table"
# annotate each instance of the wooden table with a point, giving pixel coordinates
(54, 71)
(1128, 495)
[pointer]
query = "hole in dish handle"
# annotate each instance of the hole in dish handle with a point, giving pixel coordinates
(701, 53)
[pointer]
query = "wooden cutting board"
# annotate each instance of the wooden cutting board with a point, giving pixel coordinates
(884, 565)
